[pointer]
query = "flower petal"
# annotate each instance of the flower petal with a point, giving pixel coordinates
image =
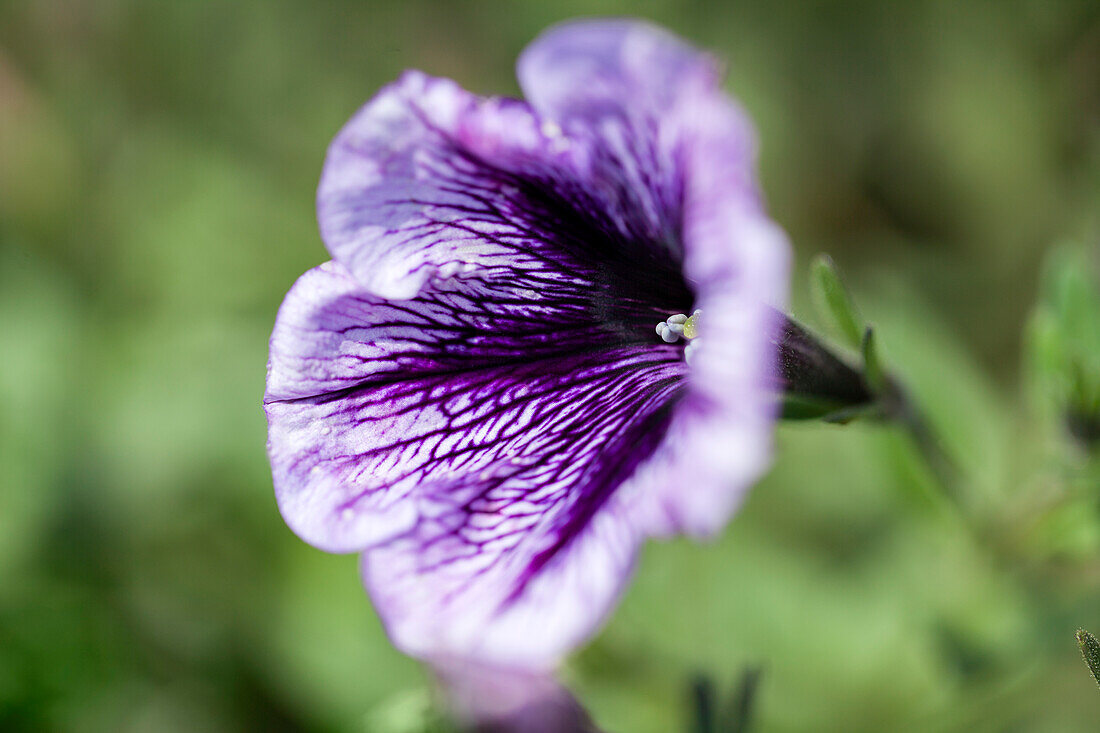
(663, 130)
(719, 440)
(588, 71)
(395, 203)
(522, 564)
(373, 404)
(509, 699)
(428, 181)
(642, 95)
(494, 476)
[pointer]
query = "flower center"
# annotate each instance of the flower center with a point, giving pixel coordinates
(681, 326)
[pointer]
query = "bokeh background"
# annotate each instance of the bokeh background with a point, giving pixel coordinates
(158, 162)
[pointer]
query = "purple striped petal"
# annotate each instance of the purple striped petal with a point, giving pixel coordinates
(369, 400)
(662, 128)
(420, 184)
(522, 561)
(486, 457)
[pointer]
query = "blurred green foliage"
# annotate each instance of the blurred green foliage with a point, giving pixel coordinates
(158, 162)
(1064, 345)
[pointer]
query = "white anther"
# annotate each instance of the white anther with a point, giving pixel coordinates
(678, 326)
(671, 330)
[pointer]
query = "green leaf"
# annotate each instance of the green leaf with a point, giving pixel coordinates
(1063, 341)
(833, 301)
(873, 371)
(1090, 650)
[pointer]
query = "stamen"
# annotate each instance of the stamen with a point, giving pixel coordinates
(678, 326)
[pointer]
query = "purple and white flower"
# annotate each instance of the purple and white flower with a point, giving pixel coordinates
(475, 393)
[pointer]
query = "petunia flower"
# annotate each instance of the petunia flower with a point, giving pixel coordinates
(485, 392)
